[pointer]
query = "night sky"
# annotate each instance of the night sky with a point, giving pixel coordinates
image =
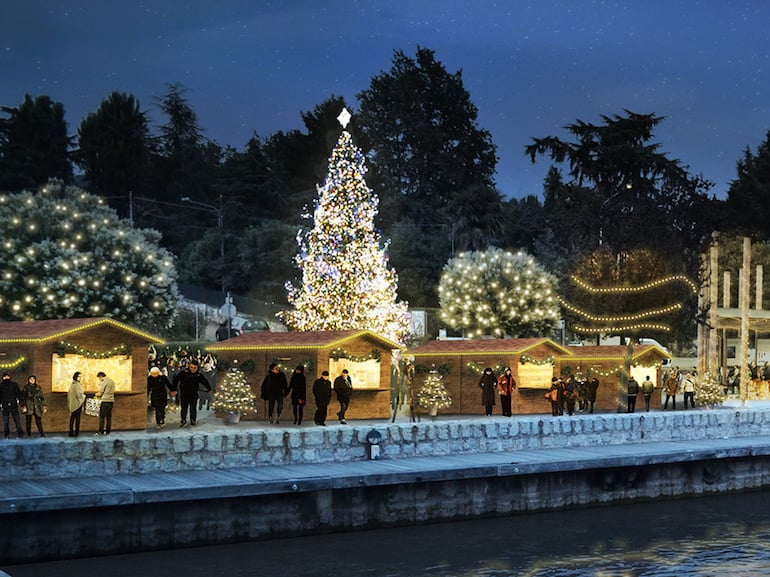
(530, 67)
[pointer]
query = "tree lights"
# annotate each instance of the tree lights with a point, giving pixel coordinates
(346, 282)
(65, 254)
(494, 292)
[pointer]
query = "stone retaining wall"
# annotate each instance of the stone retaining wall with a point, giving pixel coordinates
(195, 450)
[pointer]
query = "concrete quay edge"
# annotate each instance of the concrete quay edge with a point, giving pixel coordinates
(38, 495)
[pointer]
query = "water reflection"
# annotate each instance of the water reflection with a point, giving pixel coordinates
(723, 535)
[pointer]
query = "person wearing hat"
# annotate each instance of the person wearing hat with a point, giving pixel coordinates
(10, 399)
(343, 386)
(488, 384)
(158, 387)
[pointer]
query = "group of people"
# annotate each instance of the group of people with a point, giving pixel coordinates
(275, 389)
(568, 393)
(76, 400)
(29, 400)
(189, 383)
(677, 381)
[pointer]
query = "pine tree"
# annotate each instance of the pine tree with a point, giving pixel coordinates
(433, 393)
(346, 281)
(234, 394)
(709, 391)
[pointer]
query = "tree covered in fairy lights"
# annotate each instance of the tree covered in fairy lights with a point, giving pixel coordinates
(498, 293)
(66, 254)
(346, 281)
(433, 393)
(234, 394)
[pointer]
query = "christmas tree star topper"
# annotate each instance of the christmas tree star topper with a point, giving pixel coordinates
(344, 118)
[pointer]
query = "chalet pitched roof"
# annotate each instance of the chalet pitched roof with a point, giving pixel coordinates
(297, 340)
(614, 352)
(46, 330)
(478, 346)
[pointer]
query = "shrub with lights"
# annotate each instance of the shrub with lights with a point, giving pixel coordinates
(346, 281)
(67, 254)
(498, 293)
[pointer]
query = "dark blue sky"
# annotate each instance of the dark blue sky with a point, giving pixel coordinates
(530, 67)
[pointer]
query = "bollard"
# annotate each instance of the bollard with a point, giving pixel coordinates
(373, 439)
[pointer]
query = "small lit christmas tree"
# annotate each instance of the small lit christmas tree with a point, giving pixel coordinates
(234, 396)
(709, 391)
(346, 281)
(433, 394)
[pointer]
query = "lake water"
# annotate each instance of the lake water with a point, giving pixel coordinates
(726, 535)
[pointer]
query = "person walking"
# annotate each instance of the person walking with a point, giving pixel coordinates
(158, 388)
(647, 389)
(298, 389)
(488, 384)
(322, 391)
(10, 399)
(34, 405)
(689, 390)
(274, 389)
(343, 386)
(672, 386)
(107, 395)
(187, 382)
(506, 384)
(632, 390)
(76, 396)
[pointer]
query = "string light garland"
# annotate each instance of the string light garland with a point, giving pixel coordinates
(622, 318)
(66, 347)
(528, 359)
(18, 363)
(621, 328)
(307, 364)
(443, 369)
(374, 355)
(636, 289)
(476, 369)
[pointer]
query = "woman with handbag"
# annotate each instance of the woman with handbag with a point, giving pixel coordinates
(298, 389)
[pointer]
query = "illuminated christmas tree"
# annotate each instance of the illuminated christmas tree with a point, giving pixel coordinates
(234, 394)
(433, 394)
(709, 391)
(346, 282)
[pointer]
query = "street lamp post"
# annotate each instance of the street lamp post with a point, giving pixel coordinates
(218, 212)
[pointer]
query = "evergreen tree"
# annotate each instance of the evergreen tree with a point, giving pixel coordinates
(497, 293)
(234, 394)
(433, 394)
(346, 281)
(66, 255)
(709, 391)
(34, 146)
(746, 204)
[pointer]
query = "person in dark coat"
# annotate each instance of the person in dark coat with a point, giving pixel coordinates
(298, 390)
(34, 403)
(592, 386)
(343, 386)
(158, 387)
(322, 391)
(10, 399)
(488, 384)
(506, 384)
(274, 389)
(187, 383)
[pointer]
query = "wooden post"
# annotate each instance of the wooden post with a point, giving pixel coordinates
(745, 277)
